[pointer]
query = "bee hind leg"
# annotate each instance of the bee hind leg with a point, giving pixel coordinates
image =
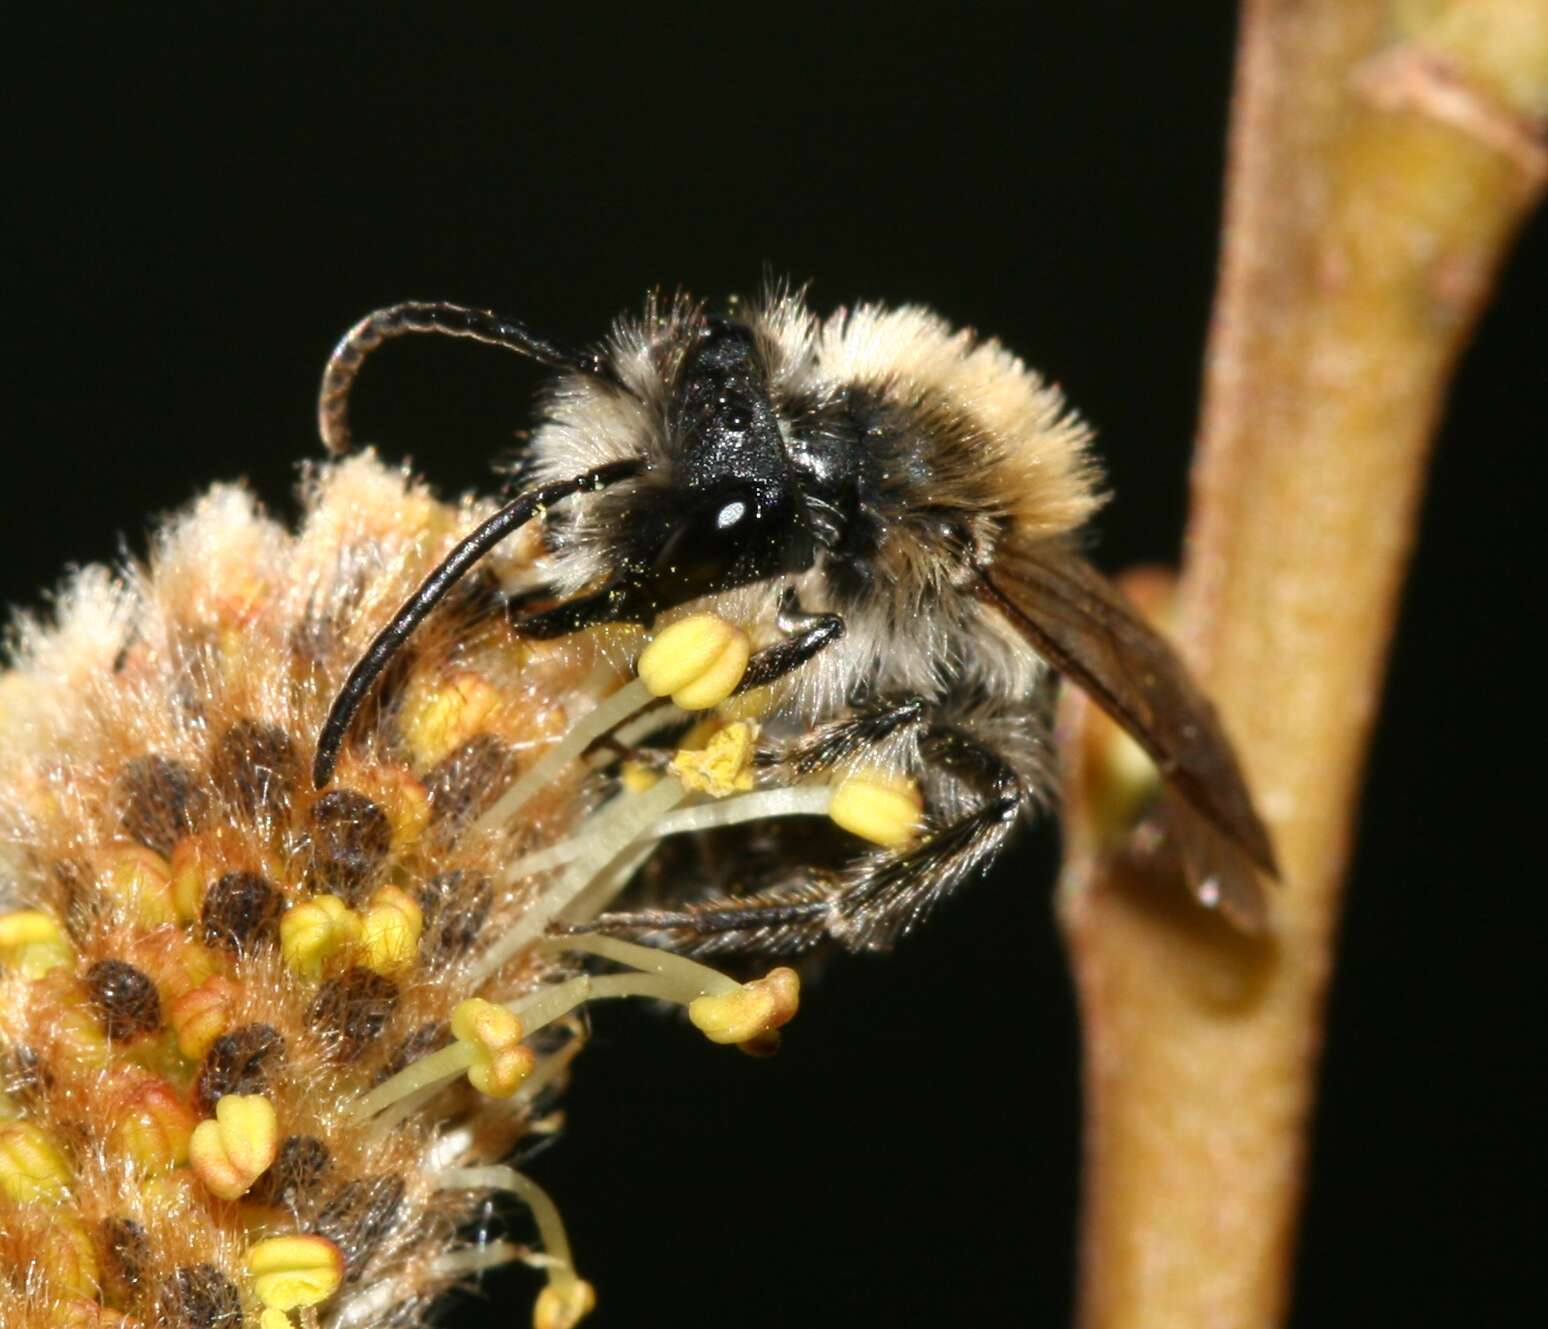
(874, 901)
(786, 918)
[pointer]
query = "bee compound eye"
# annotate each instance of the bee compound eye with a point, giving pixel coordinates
(716, 545)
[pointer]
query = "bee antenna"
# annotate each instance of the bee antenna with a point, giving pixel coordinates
(390, 640)
(446, 320)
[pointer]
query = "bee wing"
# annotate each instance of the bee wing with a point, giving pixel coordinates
(1082, 625)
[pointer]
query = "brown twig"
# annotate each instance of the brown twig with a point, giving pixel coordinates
(1382, 157)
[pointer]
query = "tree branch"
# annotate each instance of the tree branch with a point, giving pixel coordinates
(1382, 157)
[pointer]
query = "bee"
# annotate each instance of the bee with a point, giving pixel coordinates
(892, 508)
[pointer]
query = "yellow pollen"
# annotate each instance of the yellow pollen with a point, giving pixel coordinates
(723, 766)
(440, 715)
(76, 1029)
(32, 1165)
(172, 1193)
(230, 1152)
(637, 778)
(881, 808)
(697, 661)
(315, 929)
(389, 936)
(68, 1256)
(153, 1126)
(563, 1304)
(194, 864)
(749, 1012)
(173, 960)
(202, 1015)
(294, 1271)
(493, 1036)
(31, 943)
(139, 881)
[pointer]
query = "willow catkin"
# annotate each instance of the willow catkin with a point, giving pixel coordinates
(265, 1046)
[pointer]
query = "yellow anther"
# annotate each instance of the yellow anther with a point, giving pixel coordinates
(32, 1166)
(68, 1257)
(289, 1272)
(563, 1304)
(697, 661)
(723, 766)
(389, 937)
(440, 713)
(753, 1010)
(230, 1152)
(273, 1319)
(139, 881)
(882, 808)
(74, 1027)
(500, 1060)
(204, 1013)
(32, 943)
(315, 929)
(407, 805)
(152, 1124)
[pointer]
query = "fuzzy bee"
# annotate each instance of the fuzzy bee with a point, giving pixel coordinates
(890, 509)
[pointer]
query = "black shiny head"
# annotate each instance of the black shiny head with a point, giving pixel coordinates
(729, 513)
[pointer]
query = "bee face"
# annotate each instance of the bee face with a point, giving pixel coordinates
(885, 505)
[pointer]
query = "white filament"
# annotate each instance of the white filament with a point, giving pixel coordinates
(556, 1245)
(809, 800)
(609, 713)
(609, 834)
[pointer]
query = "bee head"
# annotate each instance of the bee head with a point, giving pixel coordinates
(726, 512)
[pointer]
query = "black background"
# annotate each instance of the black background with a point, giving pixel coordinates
(199, 209)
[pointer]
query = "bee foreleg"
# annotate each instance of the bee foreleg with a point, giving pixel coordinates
(858, 732)
(790, 653)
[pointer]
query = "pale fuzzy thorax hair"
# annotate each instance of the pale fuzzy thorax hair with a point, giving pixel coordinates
(1030, 450)
(1000, 446)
